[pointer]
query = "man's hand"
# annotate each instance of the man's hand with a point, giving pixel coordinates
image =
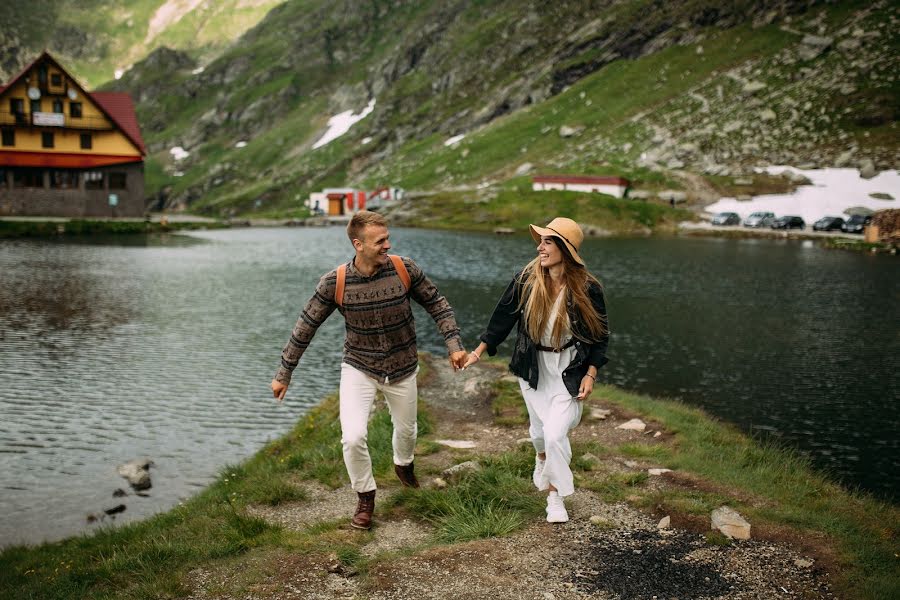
(278, 389)
(458, 359)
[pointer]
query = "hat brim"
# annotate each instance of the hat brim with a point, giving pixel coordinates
(538, 232)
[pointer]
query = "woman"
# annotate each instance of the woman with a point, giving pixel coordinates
(562, 338)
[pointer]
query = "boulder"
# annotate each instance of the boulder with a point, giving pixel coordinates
(137, 472)
(867, 169)
(566, 132)
(664, 522)
(729, 522)
(470, 466)
(633, 425)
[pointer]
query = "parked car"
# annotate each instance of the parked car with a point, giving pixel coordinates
(856, 223)
(828, 224)
(759, 219)
(726, 218)
(788, 222)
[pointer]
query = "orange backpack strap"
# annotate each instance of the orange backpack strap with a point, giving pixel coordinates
(401, 270)
(339, 285)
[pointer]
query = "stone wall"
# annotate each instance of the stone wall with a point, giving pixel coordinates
(78, 201)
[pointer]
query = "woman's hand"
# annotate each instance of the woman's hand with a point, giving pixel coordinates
(586, 387)
(472, 359)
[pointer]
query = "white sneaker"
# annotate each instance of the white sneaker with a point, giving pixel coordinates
(538, 471)
(556, 509)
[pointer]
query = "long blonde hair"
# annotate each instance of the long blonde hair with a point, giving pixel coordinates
(538, 304)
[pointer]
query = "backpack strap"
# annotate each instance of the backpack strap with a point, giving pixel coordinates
(402, 272)
(339, 285)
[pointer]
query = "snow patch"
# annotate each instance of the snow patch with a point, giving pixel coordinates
(179, 153)
(341, 123)
(454, 139)
(831, 192)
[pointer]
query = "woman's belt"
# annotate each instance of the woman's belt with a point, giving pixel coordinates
(568, 344)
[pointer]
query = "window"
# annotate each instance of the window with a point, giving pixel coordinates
(56, 79)
(57, 106)
(16, 106)
(87, 142)
(9, 137)
(28, 178)
(117, 180)
(35, 106)
(47, 139)
(64, 180)
(75, 109)
(93, 180)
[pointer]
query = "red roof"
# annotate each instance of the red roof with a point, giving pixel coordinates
(120, 109)
(588, 179)
(115, 105)
(62, 160)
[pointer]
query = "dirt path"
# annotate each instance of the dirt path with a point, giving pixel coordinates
(606, 551)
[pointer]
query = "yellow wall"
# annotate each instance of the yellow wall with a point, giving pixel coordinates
(106, 138)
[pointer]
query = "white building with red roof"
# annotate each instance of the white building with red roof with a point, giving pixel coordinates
(614, 186)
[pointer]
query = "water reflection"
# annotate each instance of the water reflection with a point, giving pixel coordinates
(165, 350)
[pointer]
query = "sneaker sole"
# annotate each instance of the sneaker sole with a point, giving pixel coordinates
(360, 527)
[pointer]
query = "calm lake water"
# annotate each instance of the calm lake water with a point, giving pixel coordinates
(165, 347)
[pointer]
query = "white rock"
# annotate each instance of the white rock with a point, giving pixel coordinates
(439, 483)
(751, 87)
(599, 414)
(658, 471)
(470, 466)
(456, 443)
(471, 386)
(657, 434)
(730, 523)
(867, 169)
(664, 522)
(566, 132)
(767, 114)
(803, 563)
(633, 425)
(524, 168)
(137, 472)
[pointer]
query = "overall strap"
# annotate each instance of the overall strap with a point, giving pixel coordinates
(402, 272)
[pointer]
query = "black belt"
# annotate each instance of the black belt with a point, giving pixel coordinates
(568, 344)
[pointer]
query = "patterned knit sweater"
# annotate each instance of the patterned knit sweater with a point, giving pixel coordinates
(381, 332)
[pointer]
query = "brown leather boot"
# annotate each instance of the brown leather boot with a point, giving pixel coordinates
(407, 475)
(365, 506)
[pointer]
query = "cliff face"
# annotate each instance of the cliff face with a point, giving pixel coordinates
(641, 88)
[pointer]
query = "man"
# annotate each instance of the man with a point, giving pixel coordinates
(379, 349)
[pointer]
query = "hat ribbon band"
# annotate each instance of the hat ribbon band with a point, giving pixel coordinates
(563, 237)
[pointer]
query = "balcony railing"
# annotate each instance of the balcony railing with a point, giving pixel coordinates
(23, 119)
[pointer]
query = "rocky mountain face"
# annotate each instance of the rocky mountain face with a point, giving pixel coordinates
(665, 93)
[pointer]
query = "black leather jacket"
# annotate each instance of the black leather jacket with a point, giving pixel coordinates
(524, 362)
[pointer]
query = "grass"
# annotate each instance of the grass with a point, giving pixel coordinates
(88, 227)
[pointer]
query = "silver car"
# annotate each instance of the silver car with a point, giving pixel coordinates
(759, 219)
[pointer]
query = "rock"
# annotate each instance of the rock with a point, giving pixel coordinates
(817, 41)
(675, 164)
(137, 472)
(591, 460)
(470, 466)
(743, 181)
(803, 563)
(439, 483)
(599, 414)
(767, 114)
(524, 169)
(849, 44)
(657, 434)
(119, 493)
(631, 464)
(115, 509)
(867, 169)
(732, 126)
(729, 522)
(751, 87)
(566, 132)
(664, 522)
(633, 425)
(461, 444)
(844, 159)
(658, 471)
(471, 386)
(881, 196)
(809, 52)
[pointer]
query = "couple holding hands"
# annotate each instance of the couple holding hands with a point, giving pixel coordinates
(562, 335)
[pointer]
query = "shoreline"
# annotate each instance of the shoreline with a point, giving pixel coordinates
(287, 502)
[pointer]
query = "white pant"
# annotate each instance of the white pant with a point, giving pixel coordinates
(552, 413)
(357, 394)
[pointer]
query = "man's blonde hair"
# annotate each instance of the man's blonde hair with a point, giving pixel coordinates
(359, 221)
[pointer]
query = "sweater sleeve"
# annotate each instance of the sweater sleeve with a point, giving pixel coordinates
(316, 311)
(505, 316)
(423, 291)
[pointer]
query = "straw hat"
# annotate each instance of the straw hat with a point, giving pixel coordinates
(565, 229)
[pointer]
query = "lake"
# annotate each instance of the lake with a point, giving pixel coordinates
(164, 347)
